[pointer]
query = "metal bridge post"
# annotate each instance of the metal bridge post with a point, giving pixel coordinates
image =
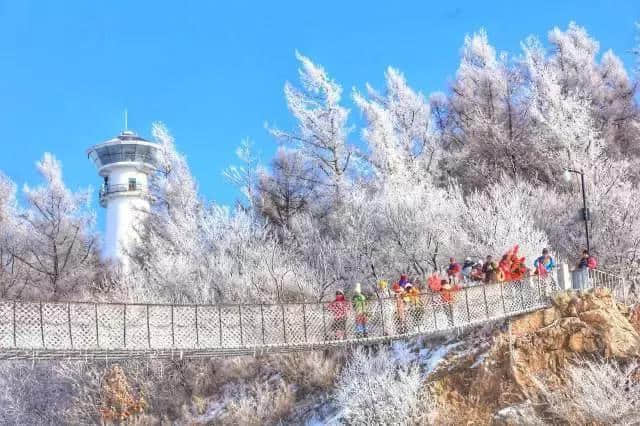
(42, 326)
(484, 296)
(220, 324)
(284, 325)
(240, 322)
(148, 329)
(304, 321)
(324, 322)
(15, 344)
(124, 322)
(435, 315)
(504, 310)
(69, 320)
(173, 334)
(521, 288)
(466, 299)
(95, 310)
(262, 321)
(381, 303)
(197, 331)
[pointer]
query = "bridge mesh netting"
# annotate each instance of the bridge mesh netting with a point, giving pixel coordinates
(81, 330)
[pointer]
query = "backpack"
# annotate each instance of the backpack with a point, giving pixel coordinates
(592, 263)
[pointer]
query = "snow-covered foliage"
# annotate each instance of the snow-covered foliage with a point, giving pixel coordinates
(399, 132)
(48, 247)
(596, 393)
(372, 389)
(322, 130)
(501, 217)
(469, 173)
(32, 395)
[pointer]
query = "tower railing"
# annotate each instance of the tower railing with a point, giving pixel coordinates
(111, 189)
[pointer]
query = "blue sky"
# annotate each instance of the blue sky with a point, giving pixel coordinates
(214, 71)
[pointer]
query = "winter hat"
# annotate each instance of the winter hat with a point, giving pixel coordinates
(468, 260)
(339, 291)
(357, 289)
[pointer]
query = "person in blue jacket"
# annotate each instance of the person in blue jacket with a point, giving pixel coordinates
(545, 261)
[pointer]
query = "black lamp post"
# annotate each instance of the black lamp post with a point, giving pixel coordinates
(585, 211)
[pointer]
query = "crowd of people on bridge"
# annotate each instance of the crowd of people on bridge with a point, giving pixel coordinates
(411, 294)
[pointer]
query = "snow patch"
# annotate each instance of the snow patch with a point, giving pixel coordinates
(430, 358)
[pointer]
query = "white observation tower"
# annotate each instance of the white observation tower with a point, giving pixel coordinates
(124, 163)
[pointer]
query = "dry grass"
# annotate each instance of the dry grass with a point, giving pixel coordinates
(310, 372)
(456, 409)
(259, 404)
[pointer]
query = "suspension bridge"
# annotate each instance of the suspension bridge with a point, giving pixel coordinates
(110, 331)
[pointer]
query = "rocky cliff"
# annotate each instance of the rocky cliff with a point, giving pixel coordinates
(498, 369)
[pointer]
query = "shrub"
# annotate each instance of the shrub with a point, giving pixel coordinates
(258, 404)
(119, 402)
(373, 389)
(32, 394)
(596, 393)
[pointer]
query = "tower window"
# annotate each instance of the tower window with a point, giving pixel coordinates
(132, 184)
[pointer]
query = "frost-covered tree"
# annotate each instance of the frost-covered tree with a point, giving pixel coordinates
(246, 176)
(497, 219)
(53, 237)
(169, 255)
(193, 252)
(566, 133)
(488, 116)
(399, 132)
(289, 188)
(605, 84)
(321, 134)
(14, 275)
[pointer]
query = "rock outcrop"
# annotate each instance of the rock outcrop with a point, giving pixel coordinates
(579, 324)
(537, 346)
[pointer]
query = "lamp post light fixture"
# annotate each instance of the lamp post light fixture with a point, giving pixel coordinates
(585, 210)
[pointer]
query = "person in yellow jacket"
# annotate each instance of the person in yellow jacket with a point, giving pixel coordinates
(414, 303)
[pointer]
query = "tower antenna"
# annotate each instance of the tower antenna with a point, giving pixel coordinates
(126, 120)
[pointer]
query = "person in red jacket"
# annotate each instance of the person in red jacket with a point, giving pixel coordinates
(340, 309)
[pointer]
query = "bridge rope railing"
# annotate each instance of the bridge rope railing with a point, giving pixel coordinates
(85, 330)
